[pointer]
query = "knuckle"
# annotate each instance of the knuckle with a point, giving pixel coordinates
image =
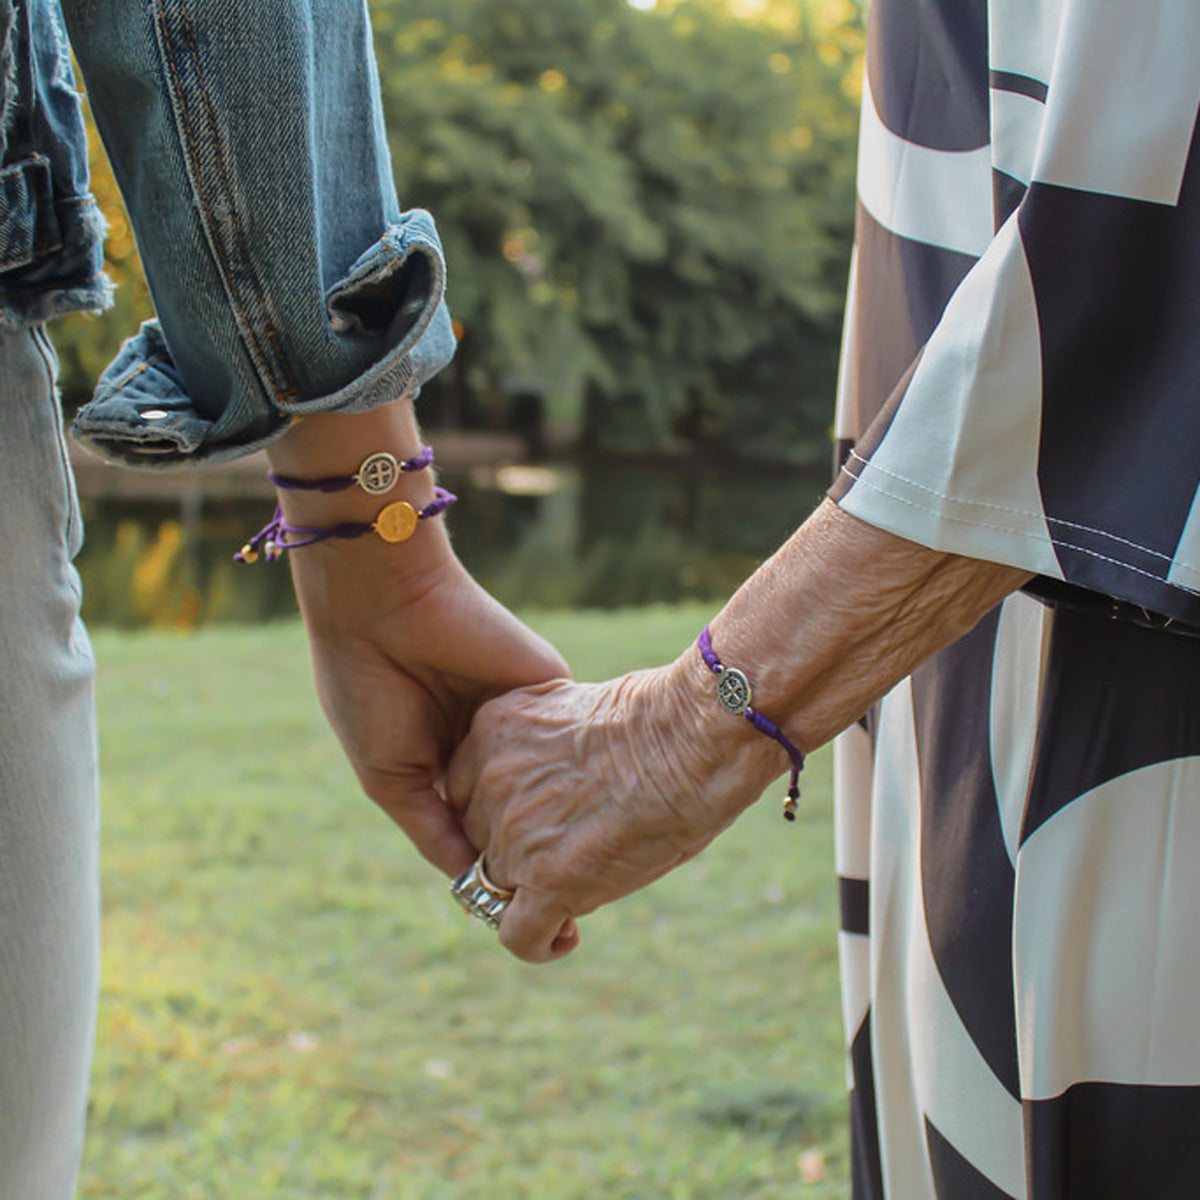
(380, 786)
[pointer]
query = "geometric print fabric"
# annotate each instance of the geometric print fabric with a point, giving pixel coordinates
(1016, 832)
(1067, 353)
(1029, 1029)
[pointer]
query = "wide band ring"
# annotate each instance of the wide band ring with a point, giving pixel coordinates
(479, 896)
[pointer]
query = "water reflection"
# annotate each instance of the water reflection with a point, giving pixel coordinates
(603, 536)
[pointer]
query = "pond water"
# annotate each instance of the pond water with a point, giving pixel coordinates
(600, 536)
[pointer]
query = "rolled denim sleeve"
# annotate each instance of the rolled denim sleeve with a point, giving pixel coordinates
(248, 142)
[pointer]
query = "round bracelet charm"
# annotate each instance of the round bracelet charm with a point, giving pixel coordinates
(396, 521)
(378, 473)
(733, 690)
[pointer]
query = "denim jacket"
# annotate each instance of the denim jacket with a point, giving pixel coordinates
(248, 141)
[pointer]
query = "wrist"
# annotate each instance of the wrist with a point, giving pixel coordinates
(324, 443)
(395, 556)
(730, 762)
(358, 587)
(336, 446)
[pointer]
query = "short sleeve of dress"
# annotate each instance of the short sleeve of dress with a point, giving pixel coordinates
(1050, 419)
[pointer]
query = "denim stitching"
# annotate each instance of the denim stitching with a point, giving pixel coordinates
(16, 259)
(46, 353)
(133, 372)
(1029, 534)
(206, 209)
(234, 216)
(1002, 508)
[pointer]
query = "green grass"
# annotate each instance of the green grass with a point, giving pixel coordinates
(292, 1006)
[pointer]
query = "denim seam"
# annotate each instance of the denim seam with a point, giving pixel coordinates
(235, 220)
(45, 352)
(134, 371)
(186, 122)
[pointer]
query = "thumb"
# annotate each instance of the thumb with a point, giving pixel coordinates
(535, 930)
(430, 823)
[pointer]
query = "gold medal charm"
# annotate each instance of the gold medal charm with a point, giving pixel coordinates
(396, 522)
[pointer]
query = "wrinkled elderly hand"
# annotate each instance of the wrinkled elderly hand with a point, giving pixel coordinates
(579, 794)
(583, 793)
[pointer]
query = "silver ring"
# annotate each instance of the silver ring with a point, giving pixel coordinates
(479, 896)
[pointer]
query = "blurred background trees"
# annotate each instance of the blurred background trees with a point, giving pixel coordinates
(647, 210)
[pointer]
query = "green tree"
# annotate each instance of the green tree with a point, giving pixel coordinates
(647, 214)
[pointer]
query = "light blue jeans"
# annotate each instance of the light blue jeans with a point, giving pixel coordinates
(49, 807)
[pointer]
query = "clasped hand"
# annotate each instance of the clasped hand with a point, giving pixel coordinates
(578, 794)
(575, 794)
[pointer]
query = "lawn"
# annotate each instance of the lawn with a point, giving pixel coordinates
(292, 1006)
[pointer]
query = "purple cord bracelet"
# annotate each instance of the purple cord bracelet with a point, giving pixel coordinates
(395, 522)
(733, 691)
(376, 474)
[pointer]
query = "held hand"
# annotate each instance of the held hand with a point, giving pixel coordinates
(405, 644)
(401, 666)
(583, 793)
(580, 794)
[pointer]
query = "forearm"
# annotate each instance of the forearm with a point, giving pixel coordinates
(827, 626)
(582, 794)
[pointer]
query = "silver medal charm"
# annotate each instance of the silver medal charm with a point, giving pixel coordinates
(378, 473)
(733, 690)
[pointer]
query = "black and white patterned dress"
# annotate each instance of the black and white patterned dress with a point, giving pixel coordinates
(1019, 829)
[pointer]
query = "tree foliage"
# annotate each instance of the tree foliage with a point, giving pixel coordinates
(647, 213)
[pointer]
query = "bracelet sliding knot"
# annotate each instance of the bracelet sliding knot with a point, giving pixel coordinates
(394, 523)
(736, 697)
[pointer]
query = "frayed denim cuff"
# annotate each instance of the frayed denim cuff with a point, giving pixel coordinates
(385, 331)
(52, 250)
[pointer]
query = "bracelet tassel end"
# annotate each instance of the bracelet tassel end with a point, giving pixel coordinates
(789, 804)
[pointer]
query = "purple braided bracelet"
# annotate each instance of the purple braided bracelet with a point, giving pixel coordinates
(394, 522)
(376, 474)
(733, 691)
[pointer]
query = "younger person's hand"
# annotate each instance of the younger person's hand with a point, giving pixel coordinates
(405, 644)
